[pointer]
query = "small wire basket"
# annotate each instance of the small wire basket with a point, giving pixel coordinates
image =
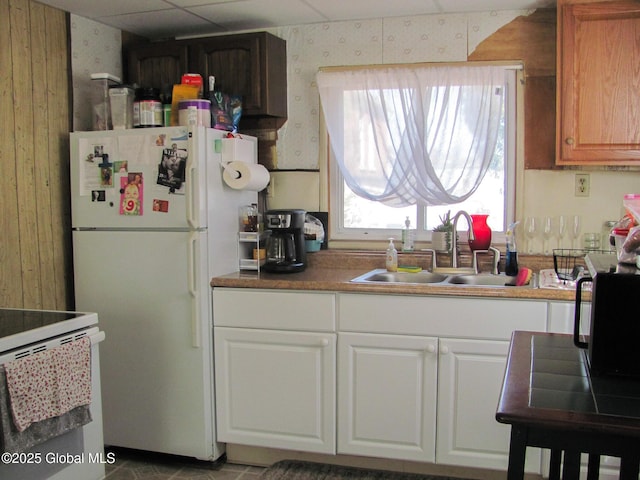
(568, 263)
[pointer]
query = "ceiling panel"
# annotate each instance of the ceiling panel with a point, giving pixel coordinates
(335, 10)
(164, 23)
(169, 18)
(249, 14)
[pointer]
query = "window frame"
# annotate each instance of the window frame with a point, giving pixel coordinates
(338, 235)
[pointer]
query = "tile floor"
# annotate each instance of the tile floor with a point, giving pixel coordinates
(133, 465)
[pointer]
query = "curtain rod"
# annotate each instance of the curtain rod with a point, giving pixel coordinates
(508, 65)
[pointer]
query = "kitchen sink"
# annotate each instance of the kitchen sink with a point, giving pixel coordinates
(464, 279)
(383, 276)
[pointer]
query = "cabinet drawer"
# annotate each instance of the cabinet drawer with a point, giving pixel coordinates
(274, 309)
(440, 316)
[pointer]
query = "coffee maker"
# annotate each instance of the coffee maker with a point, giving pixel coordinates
(286, 251)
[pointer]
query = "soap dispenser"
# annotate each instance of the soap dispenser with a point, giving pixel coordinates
(392, 257)
(511, 267)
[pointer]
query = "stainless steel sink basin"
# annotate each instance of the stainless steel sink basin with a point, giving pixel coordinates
(463, 279)
(481, 280)
(382, 276)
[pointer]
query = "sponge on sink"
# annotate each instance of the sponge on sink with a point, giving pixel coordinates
(524, 276)
(405, 268)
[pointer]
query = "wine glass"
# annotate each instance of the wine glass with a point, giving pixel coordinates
(530, 230)
(562, 229)
(547, 233)
(574, 229)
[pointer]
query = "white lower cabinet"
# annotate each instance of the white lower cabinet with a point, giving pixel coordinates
(441, 378)
(389, 376)
(275, 388)
(470, 374)
(387, 396)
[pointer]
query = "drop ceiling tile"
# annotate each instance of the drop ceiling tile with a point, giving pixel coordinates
(360, 9)
(248, 14)
(102, 8)
(156, 24)
(486, 5)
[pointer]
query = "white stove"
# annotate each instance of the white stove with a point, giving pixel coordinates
(19, 328)
(78, 454)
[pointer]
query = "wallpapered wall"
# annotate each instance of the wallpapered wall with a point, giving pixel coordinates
(95, 48)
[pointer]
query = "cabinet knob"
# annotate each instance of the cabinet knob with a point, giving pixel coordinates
(444, 350)
(324, 342)
(569, 141)
(431, 349)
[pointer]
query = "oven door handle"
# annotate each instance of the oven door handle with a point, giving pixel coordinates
(97, 337)
(576, 320)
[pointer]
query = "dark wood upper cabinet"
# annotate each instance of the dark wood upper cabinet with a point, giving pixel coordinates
(159, 65)
(252, 65)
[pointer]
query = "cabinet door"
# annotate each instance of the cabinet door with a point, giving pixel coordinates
(159, 65)
(470, 374)
(387, 396)
(252, 65)
(275, 389)
(598, 77)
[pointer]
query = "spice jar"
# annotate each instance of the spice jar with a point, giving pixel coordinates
(147, 108)
(249, 218)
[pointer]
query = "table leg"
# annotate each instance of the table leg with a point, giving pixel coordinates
(554, 464)
(593, 470)
(571, 465)
(517, 451)
(629, 467)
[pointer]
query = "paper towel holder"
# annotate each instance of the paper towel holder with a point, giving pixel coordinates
(230, 171)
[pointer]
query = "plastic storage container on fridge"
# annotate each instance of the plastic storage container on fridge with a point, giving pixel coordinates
(100, 104)
(121, 99)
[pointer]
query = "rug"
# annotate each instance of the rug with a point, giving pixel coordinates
(298, 470)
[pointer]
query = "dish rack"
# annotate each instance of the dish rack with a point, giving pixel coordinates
(569, 262)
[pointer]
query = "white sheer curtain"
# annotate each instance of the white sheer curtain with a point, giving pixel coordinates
(413, 134)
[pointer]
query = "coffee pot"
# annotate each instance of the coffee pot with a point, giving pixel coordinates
(286, 251)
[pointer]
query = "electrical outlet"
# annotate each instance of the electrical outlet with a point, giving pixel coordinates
(583, 185)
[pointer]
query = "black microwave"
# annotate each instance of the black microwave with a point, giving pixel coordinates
(613, 343)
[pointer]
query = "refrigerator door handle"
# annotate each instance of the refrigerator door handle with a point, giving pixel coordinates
(193, 202)
(192, 279)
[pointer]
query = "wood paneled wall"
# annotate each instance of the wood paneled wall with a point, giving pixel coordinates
(35, 253)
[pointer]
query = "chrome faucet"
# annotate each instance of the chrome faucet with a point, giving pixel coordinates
(454, 235)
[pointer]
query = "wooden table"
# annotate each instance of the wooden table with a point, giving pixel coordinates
(551, 401)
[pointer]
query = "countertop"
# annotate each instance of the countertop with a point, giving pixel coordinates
(332, 271)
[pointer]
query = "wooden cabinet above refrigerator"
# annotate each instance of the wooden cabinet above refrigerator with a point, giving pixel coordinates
(253, 65)
(598, 113)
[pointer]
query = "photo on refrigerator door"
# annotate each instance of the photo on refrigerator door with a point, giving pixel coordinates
(171, 171)
(131, 194)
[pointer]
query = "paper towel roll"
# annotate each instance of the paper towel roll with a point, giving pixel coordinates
(245, 176)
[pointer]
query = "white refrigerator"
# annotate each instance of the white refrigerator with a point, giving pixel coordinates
(153, 222)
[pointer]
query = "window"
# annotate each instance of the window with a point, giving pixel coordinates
(353, 217)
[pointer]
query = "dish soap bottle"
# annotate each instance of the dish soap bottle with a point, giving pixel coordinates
(511, 267)
(407, 237)
(392, 257)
